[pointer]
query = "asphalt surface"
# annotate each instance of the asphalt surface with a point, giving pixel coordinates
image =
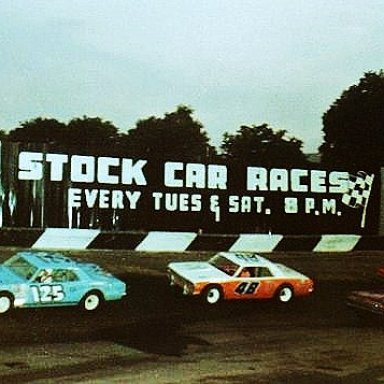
(156, 335)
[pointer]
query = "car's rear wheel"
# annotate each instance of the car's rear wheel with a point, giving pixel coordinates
(91, 301)
(284, 294)
(213, 295)
(6, 303)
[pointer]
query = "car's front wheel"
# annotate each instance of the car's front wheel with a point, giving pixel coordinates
(213, 295)
(91, 301)
(171, 280)
(284, 294)
(6, 303)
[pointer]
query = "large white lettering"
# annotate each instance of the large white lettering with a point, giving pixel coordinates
(296, 180)
(245, 204)
(103, 180)
(57, 162)
(103, 198)
(195, 175)
(182, 202)
(30, 166)
(82, 169)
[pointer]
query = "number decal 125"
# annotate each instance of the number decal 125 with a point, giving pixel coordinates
(47, 293)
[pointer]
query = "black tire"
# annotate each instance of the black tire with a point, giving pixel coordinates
(91, 301)
(284, 294)
(171, 280)
(213, 294)
(6, 303)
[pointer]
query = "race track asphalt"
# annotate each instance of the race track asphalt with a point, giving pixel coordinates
(156, 335)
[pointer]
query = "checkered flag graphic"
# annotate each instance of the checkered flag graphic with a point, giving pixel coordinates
(359, 190)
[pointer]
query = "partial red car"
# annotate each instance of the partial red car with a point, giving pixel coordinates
(369, 301)
(380, 272)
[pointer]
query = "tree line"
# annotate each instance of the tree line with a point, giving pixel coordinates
(353, 129)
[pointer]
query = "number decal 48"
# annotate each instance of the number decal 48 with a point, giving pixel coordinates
(47, 293)
(247, 288)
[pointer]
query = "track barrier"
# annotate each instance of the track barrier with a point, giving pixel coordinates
(157, 241)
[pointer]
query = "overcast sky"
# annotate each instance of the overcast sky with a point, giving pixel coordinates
(281, 62)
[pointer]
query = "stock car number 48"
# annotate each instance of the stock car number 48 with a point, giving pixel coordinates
(231, 275)
(44, 279)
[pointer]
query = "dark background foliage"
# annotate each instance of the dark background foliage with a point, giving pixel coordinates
(353, 129)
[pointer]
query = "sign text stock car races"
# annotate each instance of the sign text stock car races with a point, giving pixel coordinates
(121, 172)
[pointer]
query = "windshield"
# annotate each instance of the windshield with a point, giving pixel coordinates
(21, 267)
(225, 265)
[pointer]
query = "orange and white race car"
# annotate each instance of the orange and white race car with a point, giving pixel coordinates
(229, 275)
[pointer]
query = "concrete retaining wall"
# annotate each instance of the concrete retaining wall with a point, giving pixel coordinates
(68, 239)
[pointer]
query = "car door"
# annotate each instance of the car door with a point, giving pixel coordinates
(253, 283)
(71, 284)
(55, 287)
(45, 291)
(245, 285)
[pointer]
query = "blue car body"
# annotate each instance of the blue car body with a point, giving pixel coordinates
(45, 279)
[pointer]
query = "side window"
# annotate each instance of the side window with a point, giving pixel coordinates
(71, 275)
(64, 275)
(248, 272)
(264, 272)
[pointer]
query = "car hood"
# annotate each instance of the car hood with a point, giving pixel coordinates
(197, 271)
(8, 277)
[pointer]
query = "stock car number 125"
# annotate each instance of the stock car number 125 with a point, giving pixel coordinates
(43, 279)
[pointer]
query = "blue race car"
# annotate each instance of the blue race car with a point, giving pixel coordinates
(44, 279)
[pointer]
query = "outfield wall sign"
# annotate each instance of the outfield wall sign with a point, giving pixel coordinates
(127, 174)
(44, 188)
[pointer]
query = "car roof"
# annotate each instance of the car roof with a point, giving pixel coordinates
(47, 259)
(247, 259)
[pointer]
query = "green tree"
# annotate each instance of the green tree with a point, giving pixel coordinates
(86, 134)
(92, 134)
(176, 136)
(3, 135)
(354, 126)
(39, 130)
(262, 145)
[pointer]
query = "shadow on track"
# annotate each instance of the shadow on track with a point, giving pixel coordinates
(166, 338)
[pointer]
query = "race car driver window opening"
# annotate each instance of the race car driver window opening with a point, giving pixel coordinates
(44, 276)
(247, 272)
